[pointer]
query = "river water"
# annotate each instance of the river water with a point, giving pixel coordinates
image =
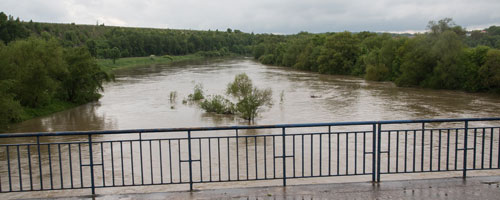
(140, 99)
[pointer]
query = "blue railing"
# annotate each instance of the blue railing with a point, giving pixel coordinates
(120, 158)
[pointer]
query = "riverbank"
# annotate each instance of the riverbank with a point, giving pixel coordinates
(108, 65)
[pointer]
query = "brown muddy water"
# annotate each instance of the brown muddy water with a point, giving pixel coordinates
(139, 99)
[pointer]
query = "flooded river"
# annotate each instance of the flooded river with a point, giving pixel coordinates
(139, 98)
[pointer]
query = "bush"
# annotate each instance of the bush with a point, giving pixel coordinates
(197, 94)
(173, 96)
(218, 104)
(10, 109)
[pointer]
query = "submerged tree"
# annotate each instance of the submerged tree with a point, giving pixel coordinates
(250, 98)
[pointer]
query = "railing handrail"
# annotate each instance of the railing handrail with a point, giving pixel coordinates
(276, 126)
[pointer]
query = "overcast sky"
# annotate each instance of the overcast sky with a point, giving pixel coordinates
(261, 16)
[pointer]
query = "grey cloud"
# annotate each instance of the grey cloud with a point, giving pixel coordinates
(271, 16)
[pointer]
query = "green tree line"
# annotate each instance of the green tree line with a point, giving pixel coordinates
(439, 58)
(38, 74)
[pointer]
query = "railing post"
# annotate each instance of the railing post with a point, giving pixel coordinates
(91, 156)
(284, 157)
(374, 156)
(379, 133)
(190, 163)
(39, 162)
(466, 131)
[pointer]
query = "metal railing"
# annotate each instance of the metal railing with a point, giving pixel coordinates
(102, 159)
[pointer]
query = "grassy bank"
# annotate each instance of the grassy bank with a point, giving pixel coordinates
(107, 64)
(30, 113)
(56, 106)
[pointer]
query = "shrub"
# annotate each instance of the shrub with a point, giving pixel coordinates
(197, 93)
(218, 104)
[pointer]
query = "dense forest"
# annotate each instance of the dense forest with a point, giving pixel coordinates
(445, 57)
(46, 66)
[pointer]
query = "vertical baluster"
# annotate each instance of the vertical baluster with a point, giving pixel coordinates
(132, 162)
(256, 163)
(190, 162)
(102, 165)
(50, 168)
(170, 160)
(414, 148)
(302, 148)
(448, 150)
(246, 157)
(397, 151)
(320, 153)
(237, 156)
(265, 157)
(423, 149)
(283, 133)
(430, 149)
(210, 158)
(40, 162)
(346, 153)
(498, 159)
(474, 158)
(218, 157)
(161, 161)
(406, 150)
(151, 161)
(91, 156)
(81, 164)
(329, 151)
(293, 147)
(364, 151)
(201, 162)
(31, 172)
(274, 157)
(456, 148)
(482, 149)
(379, 137)
(374, 155)
(388, 151)
(228, 161)
(140, 154)
(19, 169)
(8, 168)
(466, 131)
(121, 158)
(312, 155)
(60, 165)
(355, 152)
(70, 166)
(491, 147)
(338, 153)
(112, 164)
(439, 151)
(180, 169)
